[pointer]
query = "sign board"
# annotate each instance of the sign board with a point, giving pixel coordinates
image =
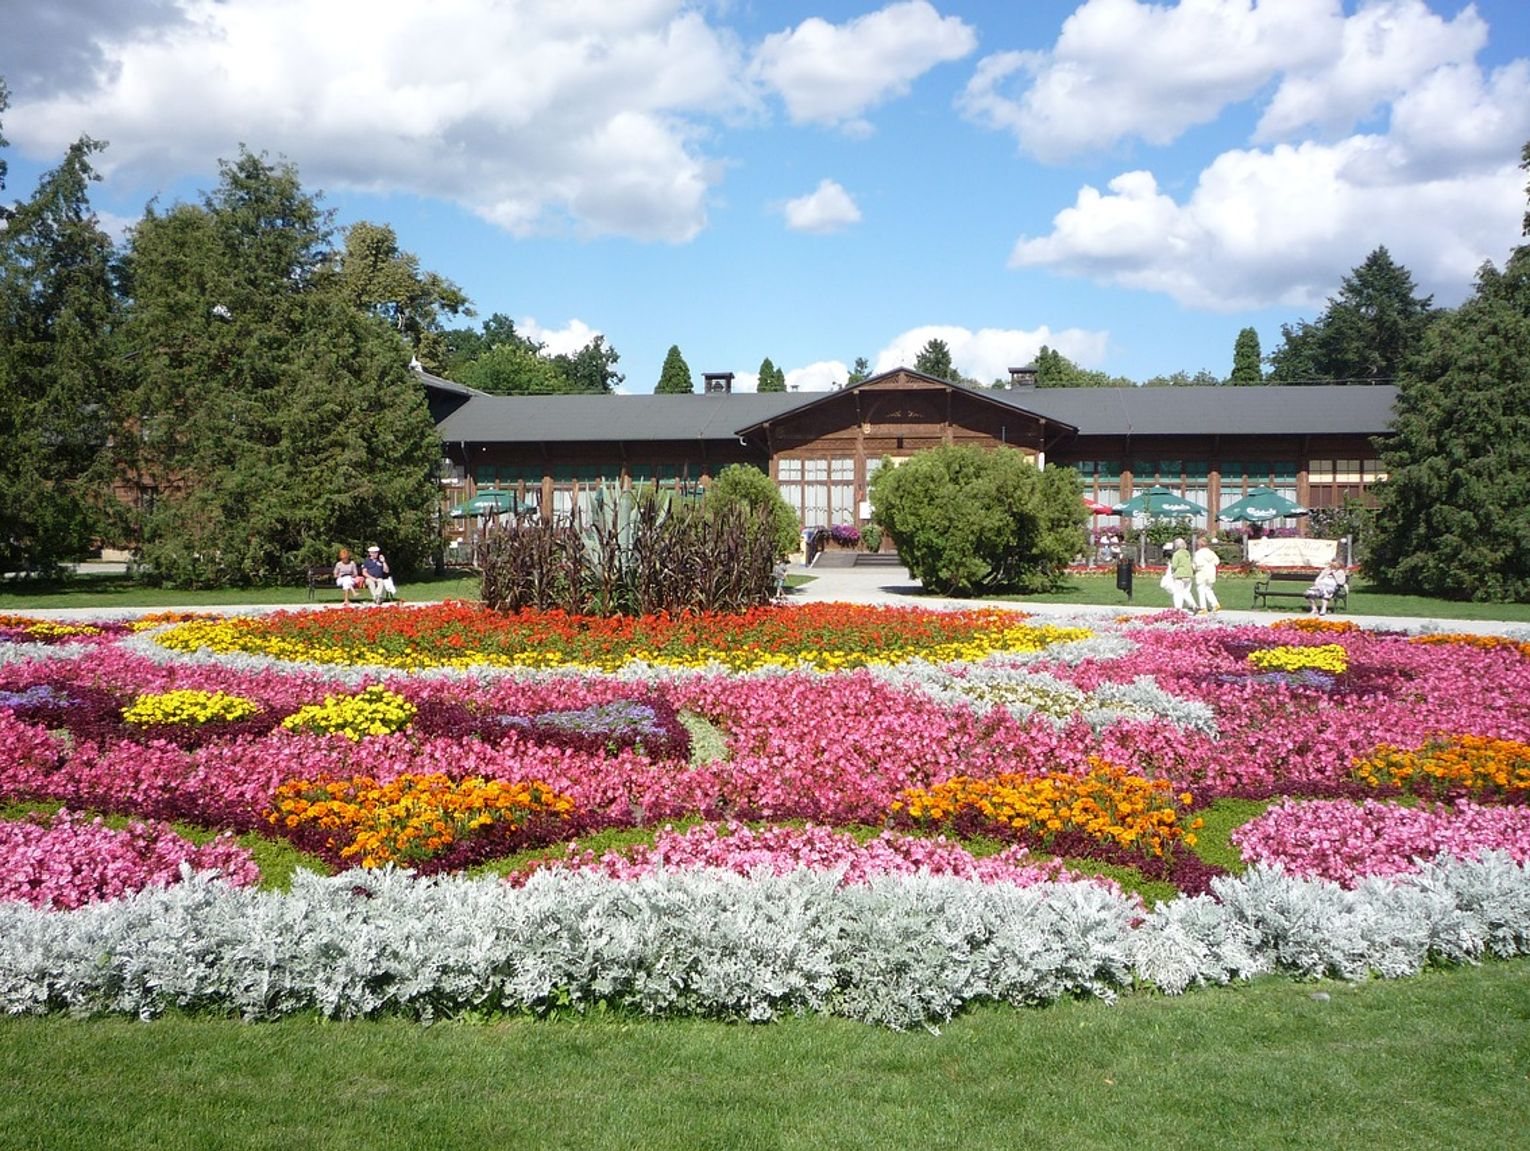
(1292, 553)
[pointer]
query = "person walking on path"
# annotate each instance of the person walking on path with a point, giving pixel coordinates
(1182, 571)
(1205, 563)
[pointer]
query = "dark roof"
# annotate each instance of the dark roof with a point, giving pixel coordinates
(440, 384)
(564, 419)
(1266, 410)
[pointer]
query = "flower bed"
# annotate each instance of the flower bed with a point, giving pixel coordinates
(444, 737)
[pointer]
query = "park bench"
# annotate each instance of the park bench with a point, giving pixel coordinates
(320, 577)
(1292, 583)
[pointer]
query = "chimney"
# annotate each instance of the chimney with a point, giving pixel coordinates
(717, 382)
(1023, 377)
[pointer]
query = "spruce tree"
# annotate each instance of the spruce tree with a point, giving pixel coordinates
(934, 359)
(1454, 513)
(1247, 362)
(675, 378)
(58, 307)
(772, 378)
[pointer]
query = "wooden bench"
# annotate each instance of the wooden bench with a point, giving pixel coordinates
(1296, 581)
(321, 577)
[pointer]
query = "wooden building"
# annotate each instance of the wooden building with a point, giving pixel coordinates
(1212, 444)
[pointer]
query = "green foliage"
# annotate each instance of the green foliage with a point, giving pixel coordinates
(380, 279)
(1055, 370)
(1454, 514)
(871, 537)
(592, 368)
(1367, 334)
(633, 552)
(967, 520)
(1352, 518)
(512, 369)
(58, 307)
(279, 418)
(934, 359)
(772, 378)
(1247, 361)
(861, 370)
(746, 487)
(1201, 379)
(675, 376)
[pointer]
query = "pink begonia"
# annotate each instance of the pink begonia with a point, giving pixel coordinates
(1343, 841)
(777, 850)
(67, 861)
(801, 746)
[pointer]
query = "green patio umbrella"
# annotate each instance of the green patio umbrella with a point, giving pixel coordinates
(1261, 506)
(1159, 502)
(488, 503)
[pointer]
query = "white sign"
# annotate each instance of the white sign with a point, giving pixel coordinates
(1292, 553)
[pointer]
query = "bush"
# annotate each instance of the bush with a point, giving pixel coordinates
(965, 519)
(739, 485)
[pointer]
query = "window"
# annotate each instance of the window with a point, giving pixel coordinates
(821, 489)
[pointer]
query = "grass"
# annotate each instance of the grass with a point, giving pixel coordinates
(93, 590)
(1238, 592)
(1437, 1061)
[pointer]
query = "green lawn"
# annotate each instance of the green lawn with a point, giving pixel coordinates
(1438, 1061)
(1238, 592)
(119, 591)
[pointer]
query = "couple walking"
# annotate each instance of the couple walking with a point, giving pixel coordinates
(372, 571)
(1199, 570)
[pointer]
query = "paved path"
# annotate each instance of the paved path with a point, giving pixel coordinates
(885, 585)
(889, 585)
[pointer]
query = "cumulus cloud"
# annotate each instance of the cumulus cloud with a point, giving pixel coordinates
(1381, 52)
(1121, 68)
(987, 354)
(564, 341)
(833, 74)
(1264, 228)
(1276, 226)
(828, 208)
(540, 115)
(51, 48)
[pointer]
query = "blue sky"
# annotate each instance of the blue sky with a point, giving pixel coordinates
(1129, 183)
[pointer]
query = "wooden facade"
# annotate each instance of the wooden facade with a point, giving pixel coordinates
(1315, 445)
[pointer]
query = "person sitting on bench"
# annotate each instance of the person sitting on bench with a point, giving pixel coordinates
(347, 575)
(1329, 581)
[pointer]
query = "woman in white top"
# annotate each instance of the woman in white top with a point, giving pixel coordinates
(1205, 562)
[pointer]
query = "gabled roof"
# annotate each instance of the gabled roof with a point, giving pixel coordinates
(441, 384)
(1354, 409)
(565, 419)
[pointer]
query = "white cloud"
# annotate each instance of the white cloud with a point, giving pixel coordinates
(1265, 228)
(1121, 68)
(1381, 52)
(1277, 226)
(564, 341)
(539, 115)
(820, 376)
(987, 354)
(833, 74)
(828, 208)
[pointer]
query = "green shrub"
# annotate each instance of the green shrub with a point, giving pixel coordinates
(965, 519)
(739, 485)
